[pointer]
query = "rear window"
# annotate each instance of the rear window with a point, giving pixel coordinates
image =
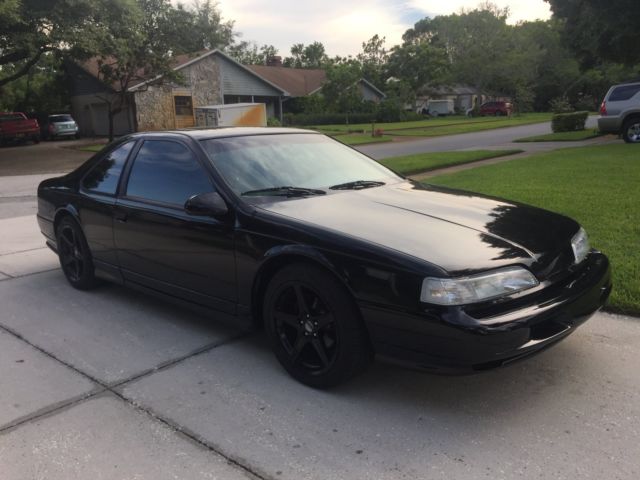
(60, 118)
(624, 92)
(11, 117)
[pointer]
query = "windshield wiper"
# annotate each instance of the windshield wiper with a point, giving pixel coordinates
(286, 191)
(357, 185)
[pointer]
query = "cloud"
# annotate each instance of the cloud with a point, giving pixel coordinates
(342, 25)
(519, 9)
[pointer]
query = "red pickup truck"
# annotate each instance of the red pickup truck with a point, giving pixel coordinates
(16, 126)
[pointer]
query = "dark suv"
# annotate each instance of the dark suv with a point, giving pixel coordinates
(620, 112)
(495, 108)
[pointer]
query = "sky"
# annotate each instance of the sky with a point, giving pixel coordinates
(342, 25)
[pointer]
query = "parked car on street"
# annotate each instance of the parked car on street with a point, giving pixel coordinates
(439, 108)
(620, 112)
(59, 126)
(15, 126)
(496, 108)
(337, 256)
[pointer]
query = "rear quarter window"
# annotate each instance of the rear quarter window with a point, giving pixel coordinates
(104, 177)
(625, 92)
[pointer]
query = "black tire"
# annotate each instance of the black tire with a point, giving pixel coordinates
(631, 130)
(36, 139)
(75, 256)
(314, 326)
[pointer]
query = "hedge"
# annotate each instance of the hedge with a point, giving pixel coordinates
(302, 119)
(569, 122)
(327, 118)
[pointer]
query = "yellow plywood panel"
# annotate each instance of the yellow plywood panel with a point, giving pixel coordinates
(185, 121)
(253, 117)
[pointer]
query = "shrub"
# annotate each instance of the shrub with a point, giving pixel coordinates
(560, 105)
(569, 122)
(273, 122)
(301, 119)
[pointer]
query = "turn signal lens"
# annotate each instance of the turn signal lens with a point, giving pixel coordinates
(580, 245)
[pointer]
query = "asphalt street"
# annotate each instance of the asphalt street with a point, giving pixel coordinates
(111, 384)
(499, 139)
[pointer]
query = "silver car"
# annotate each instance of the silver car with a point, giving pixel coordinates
(61, 125)
(620, 112)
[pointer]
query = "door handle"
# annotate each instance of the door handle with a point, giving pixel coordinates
(121, 217)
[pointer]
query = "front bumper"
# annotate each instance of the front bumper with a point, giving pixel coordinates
(65, 133)
(452, 340)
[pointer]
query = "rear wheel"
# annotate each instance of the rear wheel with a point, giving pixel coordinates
(314, 327)
(74, 254)
(631, 130)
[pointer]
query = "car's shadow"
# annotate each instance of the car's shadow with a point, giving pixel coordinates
(498, 391)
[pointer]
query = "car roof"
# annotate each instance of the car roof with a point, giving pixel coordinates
(208, 133)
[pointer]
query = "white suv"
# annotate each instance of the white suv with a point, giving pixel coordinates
(620, 112)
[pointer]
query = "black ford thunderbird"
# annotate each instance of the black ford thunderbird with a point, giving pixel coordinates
(337, 256)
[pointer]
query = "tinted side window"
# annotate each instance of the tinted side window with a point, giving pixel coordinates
(167, 172)
(103, 178)
(624, 93)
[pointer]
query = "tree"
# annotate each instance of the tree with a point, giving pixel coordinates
(137, 43)
(248, 53)
(43, 89)
(142, 37)
(340, 91)
(309, 56)
(31, 28)
(373, 59)
(601, 30)
(418, 64)
(556, 69)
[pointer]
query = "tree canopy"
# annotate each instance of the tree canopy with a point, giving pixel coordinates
(601, 30)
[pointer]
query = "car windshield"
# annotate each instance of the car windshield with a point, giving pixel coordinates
(255, 163)
(60, 118)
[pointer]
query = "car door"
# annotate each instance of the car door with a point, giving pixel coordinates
(162, 247)
(96, 205)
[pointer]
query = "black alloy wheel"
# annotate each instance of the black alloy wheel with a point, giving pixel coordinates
(74, 254)
(315, 329)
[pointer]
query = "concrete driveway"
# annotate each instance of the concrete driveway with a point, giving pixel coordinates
(44, 157)
(111, 384)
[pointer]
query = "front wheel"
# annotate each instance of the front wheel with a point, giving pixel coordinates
(74, 254)
(631, 130)
(314, 327)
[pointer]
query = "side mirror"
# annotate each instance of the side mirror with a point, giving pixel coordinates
(206, 204)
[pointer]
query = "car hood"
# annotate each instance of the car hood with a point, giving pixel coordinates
(460, 232)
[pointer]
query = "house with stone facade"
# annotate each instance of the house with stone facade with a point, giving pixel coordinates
(301, 82)
(209, 78)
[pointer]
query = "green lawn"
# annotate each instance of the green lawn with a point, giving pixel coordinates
(424, 162)
(562, 136)
(360, 139)
(460, 122)
(598, 186)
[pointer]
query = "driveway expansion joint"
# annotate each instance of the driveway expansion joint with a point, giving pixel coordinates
(104, 388)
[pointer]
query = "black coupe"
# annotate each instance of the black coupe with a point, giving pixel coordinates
(339, 257)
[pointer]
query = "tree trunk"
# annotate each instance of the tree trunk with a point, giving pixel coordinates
(110, 124)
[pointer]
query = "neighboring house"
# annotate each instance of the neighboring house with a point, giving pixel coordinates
(210, 78)
(300, 82)
(464, 97)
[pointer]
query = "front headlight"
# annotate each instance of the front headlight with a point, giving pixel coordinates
(476, 288)
(580, 245)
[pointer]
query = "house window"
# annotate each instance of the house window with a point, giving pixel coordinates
(184, 105)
